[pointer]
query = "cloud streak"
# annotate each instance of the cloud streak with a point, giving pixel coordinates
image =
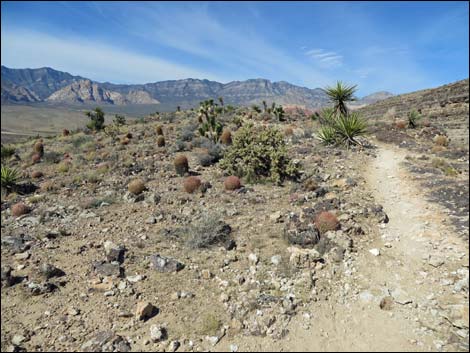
(90, 58)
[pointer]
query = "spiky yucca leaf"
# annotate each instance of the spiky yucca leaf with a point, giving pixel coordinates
(327, 135)
(9, 176)
(348, 127)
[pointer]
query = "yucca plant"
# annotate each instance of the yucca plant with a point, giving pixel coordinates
(279, 113)
(9, 177)
(348, 127)
(327, 135)
(339, 95)
(7, 151)
(413, 118)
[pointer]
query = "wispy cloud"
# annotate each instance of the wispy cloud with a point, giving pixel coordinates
(92, 59)
(325, 58)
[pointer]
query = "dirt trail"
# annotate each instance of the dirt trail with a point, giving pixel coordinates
(402, 271)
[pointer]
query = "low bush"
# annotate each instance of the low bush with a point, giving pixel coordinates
(259, 154)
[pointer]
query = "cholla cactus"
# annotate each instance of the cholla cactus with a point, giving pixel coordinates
(210, 127)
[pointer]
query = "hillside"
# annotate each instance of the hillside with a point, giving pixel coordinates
(446, 106)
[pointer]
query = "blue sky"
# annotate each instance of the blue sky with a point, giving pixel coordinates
(394, 46)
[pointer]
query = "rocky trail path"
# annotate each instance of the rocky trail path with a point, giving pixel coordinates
(402, 292)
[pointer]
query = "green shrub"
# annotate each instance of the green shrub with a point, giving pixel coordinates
(340, 128)
(7, 151)
(9, 177)
(257, 154)
(97, 119)
(327, 135)
(413, 118)
(119, 120)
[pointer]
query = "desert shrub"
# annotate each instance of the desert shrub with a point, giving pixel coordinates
(191, 184)
(179, 146)
(210, 324)
(63, 167)
(181, 165)
(160, 141)
(52, 157)
(96, 119)
(119, 120)
(80, 140)
(19, 209)
(205, 159)
(65, 132)
(413, 118)
(208, 231)
(9, 177)
(159, 130)
(445, 167)
(37, 174)
(226, 137)
(187, 133)
(48, 186)
(400, 124)
(232, 183)
(92, 178)
(257, 154)
(326, 221)
(136, 186)
(7, 151)
(441, 140)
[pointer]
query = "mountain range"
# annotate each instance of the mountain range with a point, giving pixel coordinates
(56, 87)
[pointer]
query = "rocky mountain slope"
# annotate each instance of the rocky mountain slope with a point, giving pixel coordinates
(40, 82)
(86, 91)
(59, 87)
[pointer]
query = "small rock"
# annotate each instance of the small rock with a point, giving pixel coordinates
(113, 252)
(49, 271)
(276, 216)
(18, 340)
(253, 258)
(233, 348)
(276, 259)
(145, 311)
(173, 346)
(230, 244)
(386, 303)
(151, 220)
(206, 274)
(107, 269)
(434, 261)
(135, 279)
(213, 339)
(165, 264)
(375, 252)
(157, 333)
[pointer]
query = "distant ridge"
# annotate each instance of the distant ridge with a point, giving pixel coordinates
(57, 87)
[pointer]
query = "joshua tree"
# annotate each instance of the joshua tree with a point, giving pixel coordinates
(339, 95)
